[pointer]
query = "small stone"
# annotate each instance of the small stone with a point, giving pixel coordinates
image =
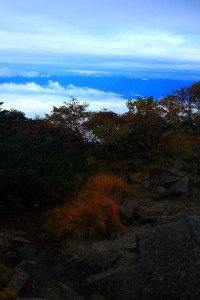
(130, 249)
(68, 292)
(160, 189)
(20, 240)
(115, 235)
(43, 237)
(20, 233)
(17, 282)
(179, 164)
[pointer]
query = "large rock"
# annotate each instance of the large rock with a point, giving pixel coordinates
(178, 188)
(30, 299)
(157, 172)
(28, 267)
(17, 282)
(94, 261)
(180, 164)
(196, 149)
(68, 293)
(122, 284)
(126, 212)
(167, 180)
(131, 179)
(168, 266)
(186, 166)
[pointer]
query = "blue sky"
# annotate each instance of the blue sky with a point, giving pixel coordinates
(47, 37)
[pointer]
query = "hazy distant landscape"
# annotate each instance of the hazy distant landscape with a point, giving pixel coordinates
(103, 91)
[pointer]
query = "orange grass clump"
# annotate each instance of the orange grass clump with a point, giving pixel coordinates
(94, 213)
(7, 295)
(106, 185)
(4, 275)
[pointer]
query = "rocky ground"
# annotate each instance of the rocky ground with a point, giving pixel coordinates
(159, 248)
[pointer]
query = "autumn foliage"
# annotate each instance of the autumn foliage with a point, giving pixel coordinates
(46, 162)
(105, 185)
(94, 213)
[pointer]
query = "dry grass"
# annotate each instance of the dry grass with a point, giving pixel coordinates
(94, 213)
(7, 295)
(105, 185)
(4, 275)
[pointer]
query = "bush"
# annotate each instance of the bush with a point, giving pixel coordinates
(37, 171)
(176, 145)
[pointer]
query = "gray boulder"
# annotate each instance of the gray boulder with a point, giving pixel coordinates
(183, 165)
(126, 212)
(17, 282)
(67, 292)
(178, 188)
(167, 180)
(95, 261)
(168, 266)
(180, 164)
(30, 298)
(196, 149)
(28, 267)
(131, 179)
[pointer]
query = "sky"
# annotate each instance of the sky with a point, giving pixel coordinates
(92, 37)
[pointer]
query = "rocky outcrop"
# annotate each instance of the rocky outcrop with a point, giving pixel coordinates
(178, 188)
(190, 167)
(94, 261)
(168, 266)
(156, 258)
(18, 281)
(126, 211)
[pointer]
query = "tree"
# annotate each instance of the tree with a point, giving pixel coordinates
(146, 127)
(71, 115)
(190, 98)
(11, 118)
(172, 110)
(143, 106)
(108, 134)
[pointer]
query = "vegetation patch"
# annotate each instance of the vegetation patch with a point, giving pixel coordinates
(94, 213)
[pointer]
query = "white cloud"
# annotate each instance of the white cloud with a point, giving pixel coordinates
(32, 98)
(49, 47)
(99, 34)
(88, 72)
(8, 72)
